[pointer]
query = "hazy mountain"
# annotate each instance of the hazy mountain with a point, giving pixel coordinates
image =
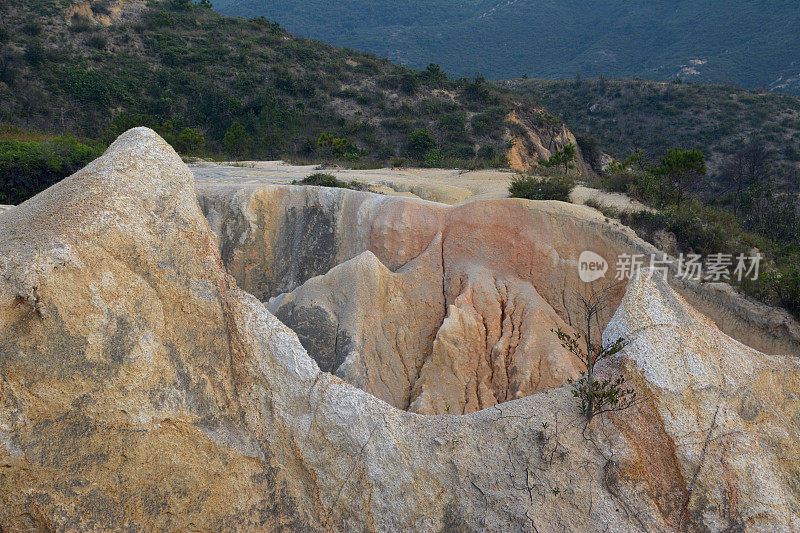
(752, 43)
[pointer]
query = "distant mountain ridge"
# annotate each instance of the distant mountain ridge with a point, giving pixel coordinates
(750, 43)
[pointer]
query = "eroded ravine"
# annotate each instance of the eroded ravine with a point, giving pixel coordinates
(432, 308)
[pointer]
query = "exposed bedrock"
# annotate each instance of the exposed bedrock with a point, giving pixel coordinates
(481, 320)
(141, 389)
(390, 334)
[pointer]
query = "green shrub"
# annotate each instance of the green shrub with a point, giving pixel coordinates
(164, 18)
(619, 180)
(487, 152)
(34, 54)
(590, 148)
(337, 147)
(97, 41)
(88, 86)
(607, 210)
(323, 180)
(409, 83)
(458, 151)
(32, 27)
(453, 122)
(235, 140)
(80, 24)
(696, 229)
(101, 7)
(785, 284)
(419, 143)
(538, 188)
(180, 5)
(189, 141)
(480, 127)
(27, 168)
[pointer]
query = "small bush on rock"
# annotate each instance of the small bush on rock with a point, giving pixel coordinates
(538, 188)
(596, 396)
(323, 180)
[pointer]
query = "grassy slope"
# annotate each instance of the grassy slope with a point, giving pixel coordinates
(747, 42)
(176, 68)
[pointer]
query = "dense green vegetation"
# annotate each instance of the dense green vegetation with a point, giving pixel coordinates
(763, 219)
(327, 180)
(215, 86)
(529, 187)
(28, 167)
(751, 43)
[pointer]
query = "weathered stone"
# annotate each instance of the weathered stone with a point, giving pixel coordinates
(539, 242)
(140, 389)
(394, 336)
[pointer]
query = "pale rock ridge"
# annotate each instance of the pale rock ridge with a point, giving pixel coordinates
(729, 410)
(118, 401)
(218, 419)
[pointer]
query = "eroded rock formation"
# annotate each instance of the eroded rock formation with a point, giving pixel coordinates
(274, 238)
(394, 336)
(535, 135)
(140, 388)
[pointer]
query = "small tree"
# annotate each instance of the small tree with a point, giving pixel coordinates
(680, 170)
(596, 396)
(433, 75)
(409, 82)
(235, 139)
(747, 167)
(565, 156)
(190, 141)
(337, 148)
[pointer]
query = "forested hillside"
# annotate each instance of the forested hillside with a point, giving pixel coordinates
(231, 87)
(750, 43)
(236, 88)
